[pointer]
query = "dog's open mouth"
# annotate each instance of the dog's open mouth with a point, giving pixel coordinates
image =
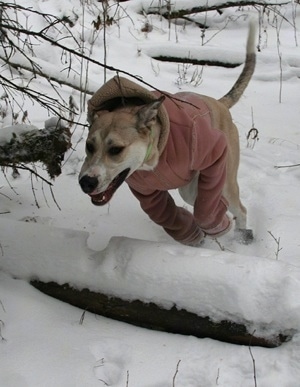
(104, 197)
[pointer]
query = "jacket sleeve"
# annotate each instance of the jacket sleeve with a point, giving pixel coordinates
(210, 206)
(177, 222)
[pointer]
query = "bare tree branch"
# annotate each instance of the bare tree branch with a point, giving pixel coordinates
(42, 73)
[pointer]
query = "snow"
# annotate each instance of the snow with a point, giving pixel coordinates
(14, 130)
(55, 122)
(119, 250)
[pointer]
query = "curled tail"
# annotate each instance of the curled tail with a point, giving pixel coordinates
(232, 97)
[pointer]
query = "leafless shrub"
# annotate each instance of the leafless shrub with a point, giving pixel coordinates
(277, 241)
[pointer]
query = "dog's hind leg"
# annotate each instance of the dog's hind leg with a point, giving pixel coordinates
(238, 210)
(231, 189)
(231, 193)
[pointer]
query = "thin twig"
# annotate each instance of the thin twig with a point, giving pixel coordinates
(1, 303)
(218, 376)
(82, 317)
(54, 199)
(222, 248)
(253, 361)
(34, 173)
(26, 168)
(176, 372)
(277, 240)
(33, 191)
(1, 325)
(286, 166)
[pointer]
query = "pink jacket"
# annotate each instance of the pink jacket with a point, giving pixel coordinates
(192, 146)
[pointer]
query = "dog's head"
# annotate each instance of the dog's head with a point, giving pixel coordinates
(119, 143)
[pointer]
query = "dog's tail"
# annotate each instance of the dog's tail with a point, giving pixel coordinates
(232, 97)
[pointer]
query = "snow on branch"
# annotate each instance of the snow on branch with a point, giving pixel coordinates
(23, 144)
(181, 8)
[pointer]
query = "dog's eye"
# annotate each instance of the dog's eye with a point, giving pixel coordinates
(115, 150)
(90, 147)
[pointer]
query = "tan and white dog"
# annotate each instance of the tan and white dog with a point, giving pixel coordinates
(126, 136)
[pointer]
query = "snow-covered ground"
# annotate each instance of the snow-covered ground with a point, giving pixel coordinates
(119, 250)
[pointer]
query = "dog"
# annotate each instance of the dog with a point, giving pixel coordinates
(129, 138)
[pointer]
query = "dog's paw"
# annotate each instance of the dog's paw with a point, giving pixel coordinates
(244, 236)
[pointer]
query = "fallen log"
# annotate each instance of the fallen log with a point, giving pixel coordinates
(168, 287)
(151, 316)
(204, 62)
(178, 11)
(24, 144)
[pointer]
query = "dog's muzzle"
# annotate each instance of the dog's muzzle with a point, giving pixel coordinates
(88, 185)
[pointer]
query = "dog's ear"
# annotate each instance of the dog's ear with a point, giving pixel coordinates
(146, 115)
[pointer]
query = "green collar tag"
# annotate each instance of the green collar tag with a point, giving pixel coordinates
(150, 146)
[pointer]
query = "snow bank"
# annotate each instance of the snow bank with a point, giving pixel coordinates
(256, 291)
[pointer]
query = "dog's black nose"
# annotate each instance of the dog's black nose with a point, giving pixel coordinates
(88, 184)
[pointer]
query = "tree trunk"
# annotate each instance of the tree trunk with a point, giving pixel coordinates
(151, 316)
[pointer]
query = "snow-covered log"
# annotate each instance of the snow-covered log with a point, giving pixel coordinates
(151, 316)
(23, 144)
(182, 7)
(156, 285)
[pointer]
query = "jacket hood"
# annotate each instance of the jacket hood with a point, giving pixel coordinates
(119, 91)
